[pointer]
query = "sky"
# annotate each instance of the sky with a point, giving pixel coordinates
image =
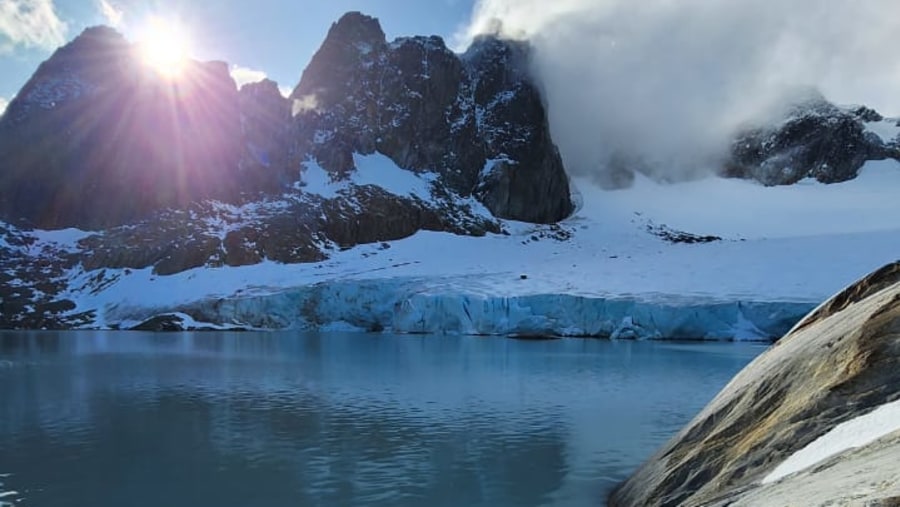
(667, 82)
(276, 37)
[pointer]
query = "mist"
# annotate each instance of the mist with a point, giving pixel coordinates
(663, 85)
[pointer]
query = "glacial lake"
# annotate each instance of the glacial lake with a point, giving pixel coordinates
(290, 419)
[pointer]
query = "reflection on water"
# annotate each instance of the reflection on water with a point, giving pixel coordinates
(113, 419)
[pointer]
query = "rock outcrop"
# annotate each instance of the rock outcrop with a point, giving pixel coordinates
(840, 362)
(815, 139)
(476, 120)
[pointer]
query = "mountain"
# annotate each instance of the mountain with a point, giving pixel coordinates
(814, 139)
(403, 186)
(92, 121)
(476, 119)
(378, 141)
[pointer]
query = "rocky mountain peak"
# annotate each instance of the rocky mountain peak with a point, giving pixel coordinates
(353, 41)
(475, 119)
(813, 138)
(94, 121)
(355, 28)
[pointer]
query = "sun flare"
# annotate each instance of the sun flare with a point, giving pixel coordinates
(164, 47)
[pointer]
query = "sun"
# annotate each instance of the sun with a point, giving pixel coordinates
(164, 47)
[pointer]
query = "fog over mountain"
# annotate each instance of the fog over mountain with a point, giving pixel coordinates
(665, 83)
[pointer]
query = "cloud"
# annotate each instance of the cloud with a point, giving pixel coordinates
(30, 24)
(3, 104)
(245, 75)
(112, 14)
(304, 104)
(670, 81)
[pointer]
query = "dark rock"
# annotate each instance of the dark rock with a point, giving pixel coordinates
(867, 114)
(162, 323)
(270, 161)
(477, 121)
(815, 140)
(93, 121)
(524, 179)
(670, 235)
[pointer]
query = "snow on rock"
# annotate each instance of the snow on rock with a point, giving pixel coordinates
(857, 432)
(375, 169)
(888, 130)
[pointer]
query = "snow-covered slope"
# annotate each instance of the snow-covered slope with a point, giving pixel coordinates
(607, 271)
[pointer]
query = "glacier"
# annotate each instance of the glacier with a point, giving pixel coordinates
(404, 307)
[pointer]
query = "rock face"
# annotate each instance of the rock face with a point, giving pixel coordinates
(840, 362)
(94, 122)
(815, 140)
(476, 120)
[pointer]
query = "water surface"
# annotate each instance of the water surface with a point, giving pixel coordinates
(217, 419)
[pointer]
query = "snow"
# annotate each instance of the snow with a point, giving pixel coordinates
(491, 164)
(785, 250)
(888, 129)
(375, 169)
(64, 239)
(857, 432)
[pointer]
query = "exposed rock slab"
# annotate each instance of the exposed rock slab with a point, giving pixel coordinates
(841, 361)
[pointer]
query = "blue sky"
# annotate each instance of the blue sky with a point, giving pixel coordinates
(277, 37)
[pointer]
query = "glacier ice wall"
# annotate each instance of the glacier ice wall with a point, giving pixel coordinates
(403, 307)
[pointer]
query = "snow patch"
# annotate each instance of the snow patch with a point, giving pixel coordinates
(888, 129)
(65, 239)
(375, 169)
(857, 432)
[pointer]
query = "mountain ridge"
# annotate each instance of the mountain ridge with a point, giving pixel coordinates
(380, 141)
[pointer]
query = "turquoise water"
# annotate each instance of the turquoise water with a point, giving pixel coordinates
(218, 419)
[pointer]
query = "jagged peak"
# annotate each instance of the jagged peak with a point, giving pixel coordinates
(264, 87)
(96, 38)
(356, 27)
(490, 50)
(428, 42)
(492, 44)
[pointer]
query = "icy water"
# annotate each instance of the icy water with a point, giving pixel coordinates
(216, 419)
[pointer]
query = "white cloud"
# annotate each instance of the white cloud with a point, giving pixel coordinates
(112, 14)
(30, 24)
(3, 104)
(671, 80)
(245, 75)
